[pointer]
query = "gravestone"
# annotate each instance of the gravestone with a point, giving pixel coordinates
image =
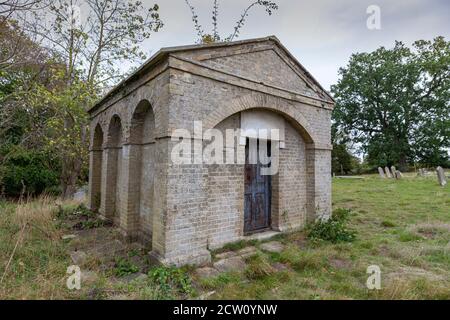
(398, 175)
(381, 172)
(394, 171)
(420, 173)
(441, 176)
(388, 173)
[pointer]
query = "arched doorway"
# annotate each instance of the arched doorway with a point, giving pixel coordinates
(243, 201)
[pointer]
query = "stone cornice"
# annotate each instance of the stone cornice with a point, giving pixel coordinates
(199, 69)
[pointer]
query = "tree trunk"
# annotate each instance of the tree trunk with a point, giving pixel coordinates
(69, 177)
(402, 165)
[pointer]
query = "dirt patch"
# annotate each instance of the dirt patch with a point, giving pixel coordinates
(301, 242)
(384, 251)
(411, 273)
(280, 267)
(431, 230)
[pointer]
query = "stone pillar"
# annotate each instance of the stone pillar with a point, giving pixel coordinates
(318, 171)
(95, 178)
(180, 227)
(160, 200)
(130, 191)
(109, 179)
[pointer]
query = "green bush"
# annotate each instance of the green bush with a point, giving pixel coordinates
(28, 172)
(334, 229)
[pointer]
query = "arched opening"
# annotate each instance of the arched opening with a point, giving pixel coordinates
(254, 203)
(113, 172)
(96, 168)
(142, 168)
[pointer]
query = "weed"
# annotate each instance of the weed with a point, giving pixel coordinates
(334, 229)
(405, 236)
(258, 267)
(302, 260)
(124, 267)
(89, 224)
(387, 224)
(234, 246)
(220, 281)
(74, 211)
(171, 282)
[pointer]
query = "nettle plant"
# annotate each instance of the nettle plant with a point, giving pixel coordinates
(214, 36)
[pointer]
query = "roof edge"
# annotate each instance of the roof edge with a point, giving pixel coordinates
(162, 54)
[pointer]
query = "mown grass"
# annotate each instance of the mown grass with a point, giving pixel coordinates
(401, 226)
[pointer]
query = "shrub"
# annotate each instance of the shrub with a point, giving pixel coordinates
(334, 229)
(28, 172)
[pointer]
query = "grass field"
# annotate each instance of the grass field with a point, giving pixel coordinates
(402, 226)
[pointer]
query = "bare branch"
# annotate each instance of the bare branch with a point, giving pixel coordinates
(197, 26)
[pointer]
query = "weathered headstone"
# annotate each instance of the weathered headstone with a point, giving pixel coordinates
(420, 173)
(398, 175)
(381, 172)
(388, 173)
(441, 176)
(393, 171)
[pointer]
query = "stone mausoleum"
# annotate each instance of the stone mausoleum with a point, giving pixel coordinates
(183, 210)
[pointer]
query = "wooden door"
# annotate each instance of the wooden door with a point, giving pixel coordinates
(256, 195)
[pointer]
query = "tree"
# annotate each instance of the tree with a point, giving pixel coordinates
(342, 160)
(64, 132)
(8, 7)
(96, 47)
(214, 36)
(23, 63)
(395, 102)
(27, 166)
(89, 53)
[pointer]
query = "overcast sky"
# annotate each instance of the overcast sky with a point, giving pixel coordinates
(322, 34)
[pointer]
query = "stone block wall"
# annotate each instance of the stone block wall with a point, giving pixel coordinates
(290, 198)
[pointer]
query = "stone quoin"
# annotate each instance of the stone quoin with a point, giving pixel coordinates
(182, 211)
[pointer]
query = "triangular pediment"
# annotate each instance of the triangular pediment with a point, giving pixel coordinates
(268, 63)
(263, 60)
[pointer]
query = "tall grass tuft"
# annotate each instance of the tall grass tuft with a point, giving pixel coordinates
(32, 260)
